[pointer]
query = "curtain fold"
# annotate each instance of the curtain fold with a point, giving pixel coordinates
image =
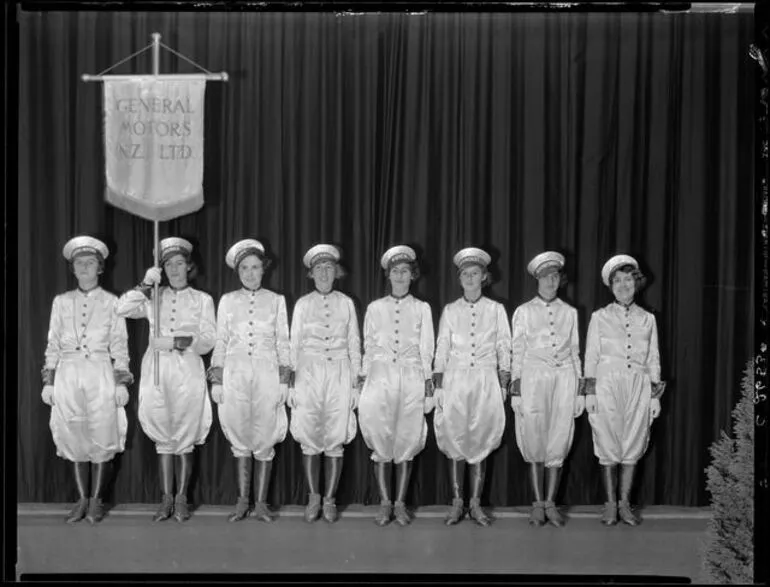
(586, 133)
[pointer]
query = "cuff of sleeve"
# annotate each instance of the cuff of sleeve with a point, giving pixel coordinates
(429, 390)
(438, 380)
(284, 374)
(145, 289)
(182, 342)
(214, 375)
(516, 388)
(589, 386)
(658, 389)
(123, 377)
(48, 376)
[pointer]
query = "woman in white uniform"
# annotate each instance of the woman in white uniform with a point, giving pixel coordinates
(623, 386)
(249, 373)
(398, 351)
(176, 415)
(471, 374)
(326, 360)
(85, 376)
(545, 373)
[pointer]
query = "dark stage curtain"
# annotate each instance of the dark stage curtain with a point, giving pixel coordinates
(587, 133)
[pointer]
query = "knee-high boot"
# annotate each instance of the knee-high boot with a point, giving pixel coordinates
(457, 479)
(166, 470)
(624, 505)
(261, 485)
(312, 466)
(478, 474)
(403, 473)
(552, 477)
(184, 465)
(383, 472)
(537, 514)
(98, 480)
(609, 480)
(332, 473)
(244, 465)
(81, 480)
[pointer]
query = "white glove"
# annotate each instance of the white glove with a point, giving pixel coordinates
(218, 393)
(292, 398)
(354, 397)
(516, 404)
(430, 403)
(121, 395)
(580, 405)
(654, 407)
(47, 395)
(591, 406)
(438, 399)
(284, 394)
(151, 276)
(162, 343)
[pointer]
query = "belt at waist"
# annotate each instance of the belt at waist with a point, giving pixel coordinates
(541, 363)
(251, 356)
(407, 361)
(464, 366)
(607, 367)
(322, 357)
(81, 354)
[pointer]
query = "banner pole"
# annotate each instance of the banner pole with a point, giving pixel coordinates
(156, 303)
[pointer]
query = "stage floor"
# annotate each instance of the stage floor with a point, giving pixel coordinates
(127, 541)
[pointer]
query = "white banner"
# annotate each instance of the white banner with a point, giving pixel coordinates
(153, 138)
